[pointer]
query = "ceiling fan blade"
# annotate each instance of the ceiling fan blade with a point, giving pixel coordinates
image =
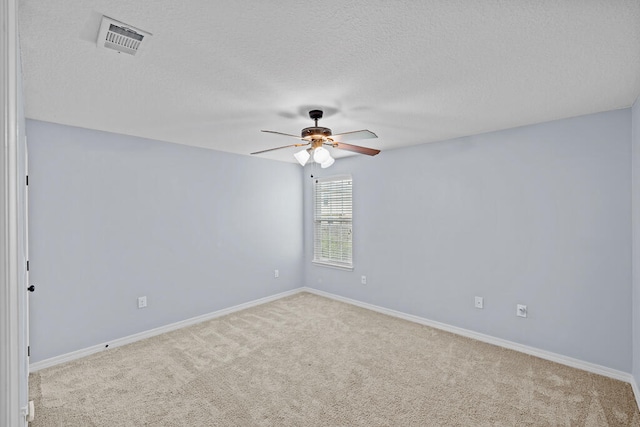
(280, 133)
(357, 149)
(279, 148)
(352, 136)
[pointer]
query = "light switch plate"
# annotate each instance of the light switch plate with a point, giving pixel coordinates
(521, 310)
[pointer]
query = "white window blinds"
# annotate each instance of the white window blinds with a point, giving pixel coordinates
(332, 221)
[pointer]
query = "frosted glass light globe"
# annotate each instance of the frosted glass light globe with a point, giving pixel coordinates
(321, 155)
(327, 162)
(302, 157)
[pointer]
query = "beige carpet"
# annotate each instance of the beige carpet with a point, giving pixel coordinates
(309, 361)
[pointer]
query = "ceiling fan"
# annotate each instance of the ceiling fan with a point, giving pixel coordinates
(316, 137)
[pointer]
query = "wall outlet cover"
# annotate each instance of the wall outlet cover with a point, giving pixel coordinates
(142, 302)
(479, 302)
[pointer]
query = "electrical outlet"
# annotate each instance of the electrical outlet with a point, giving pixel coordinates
(479, 302)
(363, 280)
(521, 310)
(142, 302)
(276, 273)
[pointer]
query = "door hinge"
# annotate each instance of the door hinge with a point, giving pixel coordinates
(28, 351)
(27, 179)
(27, 265)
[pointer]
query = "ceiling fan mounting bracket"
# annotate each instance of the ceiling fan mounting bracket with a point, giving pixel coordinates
(315, 114)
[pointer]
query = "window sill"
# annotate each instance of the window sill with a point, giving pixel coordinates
(335, 266)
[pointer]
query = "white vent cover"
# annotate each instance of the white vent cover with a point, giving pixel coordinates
(120, 37)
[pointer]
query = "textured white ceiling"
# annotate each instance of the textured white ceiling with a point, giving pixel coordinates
(215, 73)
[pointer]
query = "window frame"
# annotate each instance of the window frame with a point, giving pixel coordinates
(319, 259)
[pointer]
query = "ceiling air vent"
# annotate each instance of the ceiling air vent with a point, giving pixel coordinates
(120, 37)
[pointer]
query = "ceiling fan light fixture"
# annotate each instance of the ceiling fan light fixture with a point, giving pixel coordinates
(302, 157)
(316, 136)
(321, 155)
(327, 163)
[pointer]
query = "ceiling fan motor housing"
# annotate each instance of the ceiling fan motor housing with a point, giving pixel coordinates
(312, 133)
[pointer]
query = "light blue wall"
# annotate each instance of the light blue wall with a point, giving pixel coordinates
(114, 217)
(635, 145)
(537, 215)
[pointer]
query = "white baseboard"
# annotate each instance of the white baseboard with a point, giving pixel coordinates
(636, 391)
(153, 332)
(543, 354)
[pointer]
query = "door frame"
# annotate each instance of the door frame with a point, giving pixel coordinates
(11, 383)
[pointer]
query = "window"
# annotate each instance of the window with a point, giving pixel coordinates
(332, 221)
